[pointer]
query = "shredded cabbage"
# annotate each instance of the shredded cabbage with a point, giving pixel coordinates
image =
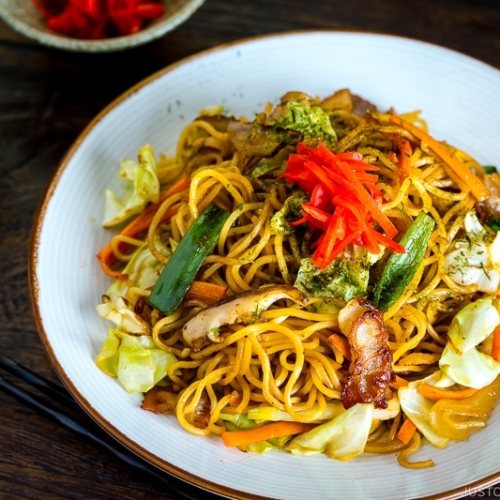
(475, 259)
(417, 408)
(316, 415)
(142, 187)
(471, 369)
(312, 121)
(460, 360)
(143, 270)
(473, 324)
(346, 277)
(343, 438)
(123, 316)
(135, 361)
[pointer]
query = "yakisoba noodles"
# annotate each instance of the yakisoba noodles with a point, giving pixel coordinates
(352, 281)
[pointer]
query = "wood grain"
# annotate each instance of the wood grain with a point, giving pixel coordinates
(47, 97)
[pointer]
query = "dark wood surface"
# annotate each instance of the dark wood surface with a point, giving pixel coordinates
(48, 96)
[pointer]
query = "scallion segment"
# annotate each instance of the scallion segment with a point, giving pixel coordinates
(401, 267)
(185, 262)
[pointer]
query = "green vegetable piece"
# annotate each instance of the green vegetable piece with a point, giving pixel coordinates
(311, 121)
(489, 169)
(400, 268)
(180, 271)
(494, 224)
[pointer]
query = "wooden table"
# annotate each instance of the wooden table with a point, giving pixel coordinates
(47, 97)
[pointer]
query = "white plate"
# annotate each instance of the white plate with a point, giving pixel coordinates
(459, 97)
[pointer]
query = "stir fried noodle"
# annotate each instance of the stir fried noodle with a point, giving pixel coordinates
(351, 281)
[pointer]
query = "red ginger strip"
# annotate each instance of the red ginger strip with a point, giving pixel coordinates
(344, 201)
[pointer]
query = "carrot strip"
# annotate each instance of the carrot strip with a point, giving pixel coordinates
(143, 220)
(476, 185)
(406, 431)
(265, 432)
(106, 255)
(436, 393)
(400, 382)
(207, 292)
(405, 153)
(341, 344)
(495, 348)
(141, 224)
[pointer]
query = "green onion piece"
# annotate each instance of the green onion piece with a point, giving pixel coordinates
(400, 268)
(182, 267)
(489, 169)
(494, 224)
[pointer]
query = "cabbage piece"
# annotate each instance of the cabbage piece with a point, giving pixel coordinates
(311, 121)
(143, 270)
(142, 187)
(416, 407)
(343, 438)
(471, 368)
(345, 278)
(460, 360)
(240, 420)
(135, 361)
(290, 211)
(314, 415)
(123, 316)
(475, 259)
(473, 324)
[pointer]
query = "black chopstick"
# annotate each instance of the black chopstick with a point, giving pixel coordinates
(45, 386)
(86, 429)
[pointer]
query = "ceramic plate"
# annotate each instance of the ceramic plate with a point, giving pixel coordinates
(458, 97)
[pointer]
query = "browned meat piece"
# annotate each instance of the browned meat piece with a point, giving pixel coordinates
(159, 400)
(370, 371)
(361, 106)
(200, 416)
(490, 208)
(239, 132)
(352, 103)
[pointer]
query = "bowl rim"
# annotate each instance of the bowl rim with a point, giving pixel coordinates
(39, 216)
(148, 34)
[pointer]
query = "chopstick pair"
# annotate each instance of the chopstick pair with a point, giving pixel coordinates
(85, 428)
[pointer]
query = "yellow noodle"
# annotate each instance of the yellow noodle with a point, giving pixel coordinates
(412, 448)
(281, 357)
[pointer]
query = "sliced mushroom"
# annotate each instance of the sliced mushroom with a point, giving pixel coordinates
(203, 328)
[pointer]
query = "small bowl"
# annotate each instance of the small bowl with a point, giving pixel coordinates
(23, 16)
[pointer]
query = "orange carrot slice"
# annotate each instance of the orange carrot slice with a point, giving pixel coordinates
(477, 186)
(436, 393)
(265, 432)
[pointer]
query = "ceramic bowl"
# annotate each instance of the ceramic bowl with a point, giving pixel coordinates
(23, 17)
